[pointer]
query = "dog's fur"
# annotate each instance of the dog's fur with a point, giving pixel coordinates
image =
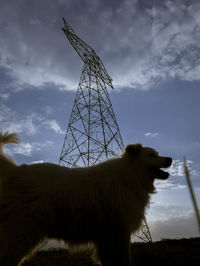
(104, 203)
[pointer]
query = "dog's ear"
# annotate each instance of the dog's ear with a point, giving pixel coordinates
(133, 149)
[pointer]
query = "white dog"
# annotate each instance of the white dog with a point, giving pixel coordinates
(104, 203)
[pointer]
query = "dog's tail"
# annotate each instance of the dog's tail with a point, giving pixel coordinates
(6, 164)
(7, 138)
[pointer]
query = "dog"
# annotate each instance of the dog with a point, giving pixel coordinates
(103, 204)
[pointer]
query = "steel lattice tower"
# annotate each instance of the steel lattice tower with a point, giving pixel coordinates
(92, 134)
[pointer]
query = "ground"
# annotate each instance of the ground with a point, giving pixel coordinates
(166, 252)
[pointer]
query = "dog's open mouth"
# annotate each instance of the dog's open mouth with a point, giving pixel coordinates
(159, 174)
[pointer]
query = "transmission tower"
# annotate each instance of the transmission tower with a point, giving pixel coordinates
(92, 134)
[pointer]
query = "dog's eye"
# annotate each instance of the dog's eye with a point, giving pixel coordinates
(152, 155)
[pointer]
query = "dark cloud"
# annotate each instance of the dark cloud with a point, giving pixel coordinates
(140, 42)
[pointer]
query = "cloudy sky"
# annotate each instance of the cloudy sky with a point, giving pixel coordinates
(150, 48)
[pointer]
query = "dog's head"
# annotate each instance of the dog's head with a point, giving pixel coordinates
(149, 160)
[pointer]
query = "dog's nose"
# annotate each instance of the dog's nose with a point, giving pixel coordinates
(169, 161)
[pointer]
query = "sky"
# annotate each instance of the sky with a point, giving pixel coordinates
(150, 48)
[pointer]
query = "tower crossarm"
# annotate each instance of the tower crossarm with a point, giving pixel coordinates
(87, 54)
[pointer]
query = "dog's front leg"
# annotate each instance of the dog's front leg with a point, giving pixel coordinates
(115, 250)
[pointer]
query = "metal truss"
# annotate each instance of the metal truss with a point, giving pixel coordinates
(92, 133)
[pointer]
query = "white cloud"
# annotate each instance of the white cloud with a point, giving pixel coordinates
(171, 221)
(12, 122)
(26, 125)
(4, 96)
(165, 184)
(176, 226)
(177, 168)
(54, 126)
(25, 149)
(161, 45)
(30, 125)
(40, 161)
(35, 58)
(48, 110)
(150, 134)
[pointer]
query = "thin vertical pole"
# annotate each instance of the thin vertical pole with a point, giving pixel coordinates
(187, 174)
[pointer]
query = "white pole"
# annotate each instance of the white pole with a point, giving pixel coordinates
(187, 174)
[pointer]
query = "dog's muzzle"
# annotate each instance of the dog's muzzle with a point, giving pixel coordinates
(160, 174)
